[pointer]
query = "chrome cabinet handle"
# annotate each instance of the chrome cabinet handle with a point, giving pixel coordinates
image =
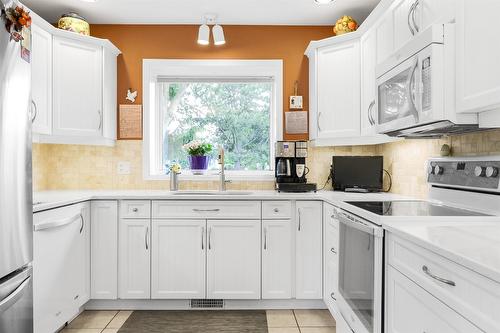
(415, 25)
(319, 126)
(333, 250)
(146, 236)
(300, 222)
(410, 12)
(135, 210)
(210, 238)
(265, 238)
(100, 119)
(206, 210)
(35, 111)
(435, 277)
(332, 295)
(203, 238)
(276, 210)
(370, 115)
(83, 223)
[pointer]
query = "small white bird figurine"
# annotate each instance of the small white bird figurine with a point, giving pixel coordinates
(131, 95)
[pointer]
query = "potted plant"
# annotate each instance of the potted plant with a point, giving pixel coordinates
(198, 155)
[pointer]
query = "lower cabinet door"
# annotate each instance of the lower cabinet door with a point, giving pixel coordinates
(277, 254)
(178, 259)
(104, 249)
(134, 259)
(308, 250)
(411, 309)
(233, 259)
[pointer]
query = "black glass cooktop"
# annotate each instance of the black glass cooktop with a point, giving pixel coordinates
(411, 208)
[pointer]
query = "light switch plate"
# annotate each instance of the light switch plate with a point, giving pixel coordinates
(295, 102)
(124, 168)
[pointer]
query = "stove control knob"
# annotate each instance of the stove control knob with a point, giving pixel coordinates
(438, 170)
(479, 171)
(491, 172)
(430, 170)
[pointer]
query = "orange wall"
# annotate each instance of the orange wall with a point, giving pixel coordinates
(139, 42)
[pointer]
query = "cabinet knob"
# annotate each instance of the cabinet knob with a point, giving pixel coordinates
(332, 295)
(333, 250)
(135, 210)
(276, 210)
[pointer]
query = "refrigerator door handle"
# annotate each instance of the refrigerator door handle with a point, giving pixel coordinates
(57, 223)
(15, 295)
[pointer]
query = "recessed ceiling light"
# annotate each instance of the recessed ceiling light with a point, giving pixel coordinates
(323, 2)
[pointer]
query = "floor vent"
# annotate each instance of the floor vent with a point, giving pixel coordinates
(207, 304)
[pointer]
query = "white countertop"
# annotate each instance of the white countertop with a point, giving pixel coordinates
(52, 199)
(473, 242)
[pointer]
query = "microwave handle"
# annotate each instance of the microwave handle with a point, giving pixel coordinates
(410, 88)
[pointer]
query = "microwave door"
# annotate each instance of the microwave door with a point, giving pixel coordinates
(398, 97)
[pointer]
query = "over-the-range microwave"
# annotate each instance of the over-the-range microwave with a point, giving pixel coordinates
(416, 88)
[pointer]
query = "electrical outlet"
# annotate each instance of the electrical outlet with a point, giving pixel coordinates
(123, 168)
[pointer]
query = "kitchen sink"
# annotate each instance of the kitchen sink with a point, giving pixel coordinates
(211, 193)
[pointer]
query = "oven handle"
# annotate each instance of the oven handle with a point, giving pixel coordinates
(351, 221)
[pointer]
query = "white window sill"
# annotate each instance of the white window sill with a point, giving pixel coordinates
(213, 175)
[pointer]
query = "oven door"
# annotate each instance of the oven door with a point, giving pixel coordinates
(360, 273)
(398, 102)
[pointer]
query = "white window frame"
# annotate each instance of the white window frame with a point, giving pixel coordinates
(155, 69)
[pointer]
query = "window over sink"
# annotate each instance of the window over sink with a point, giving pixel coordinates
(235, 104)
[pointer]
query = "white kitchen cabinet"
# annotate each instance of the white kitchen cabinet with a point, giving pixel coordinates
(409, 308)
(429, 12)
(233, 259)
(403, 25)
(41, 78)
(104, 249)
(178, 259)
(308, 252)
(368, 83)
(477, 70)
(277, 256)
(384, 31)
(338, 91)
(61, 265)
(330, 257)
(77, 86)
(134, 260)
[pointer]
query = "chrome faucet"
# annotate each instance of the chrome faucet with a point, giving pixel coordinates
(223, 181)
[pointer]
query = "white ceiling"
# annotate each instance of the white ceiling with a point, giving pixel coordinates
(248, 12)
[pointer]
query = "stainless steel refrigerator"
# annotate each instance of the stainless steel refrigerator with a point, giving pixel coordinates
(16, 214)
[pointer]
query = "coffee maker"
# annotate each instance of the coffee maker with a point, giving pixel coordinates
(290, 167)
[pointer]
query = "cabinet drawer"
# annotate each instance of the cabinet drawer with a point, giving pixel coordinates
(206, 209)
(135, 209)
(474, 296)
(276, 209)
(412, 309)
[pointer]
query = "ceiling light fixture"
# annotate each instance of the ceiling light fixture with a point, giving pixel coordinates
(204, 34)
(218, 34)
(323, 2)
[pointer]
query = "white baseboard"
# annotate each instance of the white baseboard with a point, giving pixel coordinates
(151, 304)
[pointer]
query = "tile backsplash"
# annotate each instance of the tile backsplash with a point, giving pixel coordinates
(92, 167)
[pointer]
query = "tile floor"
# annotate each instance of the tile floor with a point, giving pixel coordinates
(278, 321)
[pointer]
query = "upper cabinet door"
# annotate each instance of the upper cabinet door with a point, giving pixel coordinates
(41, 79)
(384, 31)
(338, 91)
(233, 259)
(477, 55)
(368, 82)
(78, 109)
(428, 12)
(404, 29)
